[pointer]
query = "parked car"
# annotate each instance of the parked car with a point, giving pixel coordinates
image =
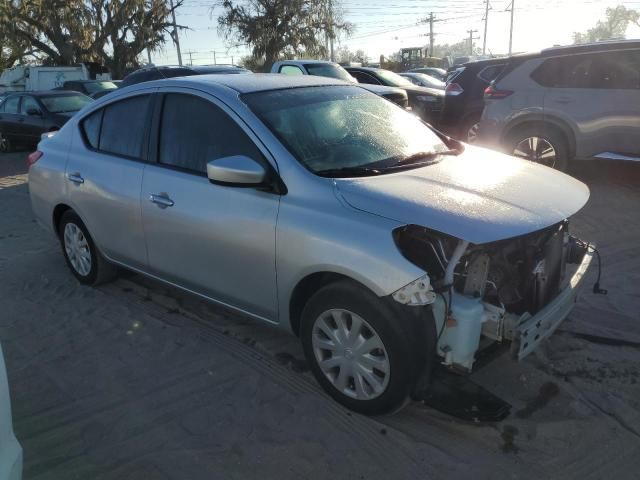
(10, 449)
(425, 102)
(464, 97)
(320, 208)
(438, 73)
(147, 74)
(24, 117)
(92, 88)
(568, 102)
(333, 70)
(423, 80)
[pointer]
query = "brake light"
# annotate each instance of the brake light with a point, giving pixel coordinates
(492, 92)
(453, 89)
(34, 157)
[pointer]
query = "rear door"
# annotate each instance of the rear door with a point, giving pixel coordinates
(597, 94)
(32, 125)
(215, 240)
(104, 176)
(9, 117)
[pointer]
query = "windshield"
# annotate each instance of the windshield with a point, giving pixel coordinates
(329, 70)
(94, 87)
(393, 79)
(65, 103)
(329, 128)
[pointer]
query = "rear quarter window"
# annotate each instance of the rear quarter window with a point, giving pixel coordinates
(489, 74)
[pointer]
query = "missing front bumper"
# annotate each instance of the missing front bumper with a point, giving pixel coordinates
(529, 332)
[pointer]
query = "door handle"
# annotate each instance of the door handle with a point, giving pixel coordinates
(162, 200)
(75, 178)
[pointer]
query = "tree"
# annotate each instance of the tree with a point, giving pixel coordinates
(12, 50)
(280, 28)
(613, 26)
(344, 55)
(66, 32)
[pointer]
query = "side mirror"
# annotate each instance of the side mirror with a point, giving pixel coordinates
(237, 170)
(34, 112)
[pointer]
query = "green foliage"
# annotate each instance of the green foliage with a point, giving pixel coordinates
(344, 55)
(280, 28)
(64, 32)
(613, 26)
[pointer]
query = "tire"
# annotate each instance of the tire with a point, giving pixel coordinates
(519, 142)
(6, 145)
(83, 258)
(349, 304)
(469, 132)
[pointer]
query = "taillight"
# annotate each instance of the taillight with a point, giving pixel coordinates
(492, 92)
(34, 157)
(453, 89)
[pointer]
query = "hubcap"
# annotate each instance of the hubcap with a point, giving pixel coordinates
(350, 354)
(77, 249)
(472, 133)
(536, 149)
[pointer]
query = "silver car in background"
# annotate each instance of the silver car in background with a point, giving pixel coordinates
(580, 102)
(315, 205)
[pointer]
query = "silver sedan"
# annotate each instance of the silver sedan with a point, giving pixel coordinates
(316, 206)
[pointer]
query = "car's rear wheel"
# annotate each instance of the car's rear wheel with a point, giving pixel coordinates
(83, 258)
(5, 143)
(357, 350)
(542, 145)
(471, 131)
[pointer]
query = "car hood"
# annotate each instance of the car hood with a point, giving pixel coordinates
(480, 196)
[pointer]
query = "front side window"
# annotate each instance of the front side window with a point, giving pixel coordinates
(65, 103)
(28, 103)
(290, 70)
(123, 125)
(193, 131)
(343, 127)
(10, 105)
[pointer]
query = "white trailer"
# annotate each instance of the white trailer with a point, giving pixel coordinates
(27, 78)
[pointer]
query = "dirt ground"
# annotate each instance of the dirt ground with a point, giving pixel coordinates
(134, 380)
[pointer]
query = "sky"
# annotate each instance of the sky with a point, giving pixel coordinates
(385, 26)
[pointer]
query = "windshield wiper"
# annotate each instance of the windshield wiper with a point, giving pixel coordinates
(348, 172)
(423, 157)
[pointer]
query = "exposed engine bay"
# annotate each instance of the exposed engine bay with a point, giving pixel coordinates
(509, 290)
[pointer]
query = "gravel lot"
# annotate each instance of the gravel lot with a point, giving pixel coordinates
(134, 380)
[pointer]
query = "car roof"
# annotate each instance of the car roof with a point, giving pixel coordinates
(365, 69)
(259, 82)
(303, 62)
(604, 45)
(49, 93)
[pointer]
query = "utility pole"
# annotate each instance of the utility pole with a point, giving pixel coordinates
(513, 7)
(189, 52)
(471, 39)
(176, 40)
(486, 23)
(148, 56)
(431, 34)
(214, 57)
(333, 55)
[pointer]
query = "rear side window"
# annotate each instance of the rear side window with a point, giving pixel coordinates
(489, 74)
(91, 128)
(10, 105)
(363, 77)
(123, 126)
(604, 70)
(193, 131)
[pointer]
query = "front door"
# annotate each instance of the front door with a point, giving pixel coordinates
(218, 241)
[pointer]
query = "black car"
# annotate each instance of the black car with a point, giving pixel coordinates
(24, 117)
(425, 102)
(464, 97)
(157, 73)
(93, 88)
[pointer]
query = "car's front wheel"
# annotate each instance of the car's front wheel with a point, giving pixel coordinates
(83, 258)
(5, 143)
(357, 349)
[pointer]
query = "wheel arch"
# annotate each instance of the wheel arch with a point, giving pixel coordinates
(58, 212)
(543, 121)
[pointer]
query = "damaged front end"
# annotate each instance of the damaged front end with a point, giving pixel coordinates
(516, 290)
